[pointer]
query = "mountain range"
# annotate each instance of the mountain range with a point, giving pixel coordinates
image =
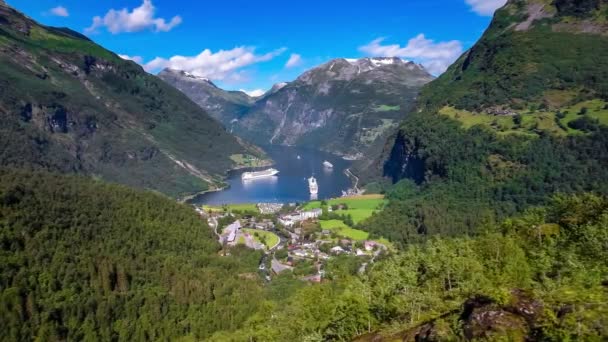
(495, 181)
(69, 105)
(520, 116)
(343, 106)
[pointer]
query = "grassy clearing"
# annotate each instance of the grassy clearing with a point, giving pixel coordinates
(371, 134)
(533, 121)
(269, 239)
(246, 160)
(386, 108)
(343, 230)
(232, 207)
(359, 207)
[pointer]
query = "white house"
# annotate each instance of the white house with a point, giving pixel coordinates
(310, 214)
(337, 250)
(231, 230)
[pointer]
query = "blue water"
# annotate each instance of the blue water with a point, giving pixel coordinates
(290, 185)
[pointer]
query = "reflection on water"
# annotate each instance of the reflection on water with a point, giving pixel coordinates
(270, 182)
(295, 166)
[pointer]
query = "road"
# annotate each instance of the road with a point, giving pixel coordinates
(350, 174)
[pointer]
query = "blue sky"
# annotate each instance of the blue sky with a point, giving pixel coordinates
(251, 45)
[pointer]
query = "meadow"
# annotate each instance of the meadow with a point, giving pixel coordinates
(267, 238)
(242, 207)
(359, 207)
(341, 229)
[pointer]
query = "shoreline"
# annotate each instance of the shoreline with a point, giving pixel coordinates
(227, 174)
(187, 198)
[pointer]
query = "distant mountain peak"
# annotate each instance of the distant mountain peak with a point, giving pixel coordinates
(185, 74)
(276, 87)
(344, 69)
(376, 61)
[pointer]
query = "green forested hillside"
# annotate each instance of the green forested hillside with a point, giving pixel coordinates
(85, 261)
(520, 116)
(540, 276)
(69, 105)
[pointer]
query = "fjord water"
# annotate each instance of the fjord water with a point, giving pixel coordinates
(291, 184)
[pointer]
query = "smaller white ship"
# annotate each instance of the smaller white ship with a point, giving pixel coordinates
(313, 186)
(328, 165)
(259, 174)
(299, 157)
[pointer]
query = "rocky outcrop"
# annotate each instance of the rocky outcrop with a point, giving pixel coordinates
(224, 106)
(404, 161)
(480, 318)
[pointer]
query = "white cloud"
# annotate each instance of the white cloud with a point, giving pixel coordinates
(141, 18)
(59, 11)
(224, 65)
(436, 57)
(136, 59)
(294, 60)
(485, 7)
(254, 93)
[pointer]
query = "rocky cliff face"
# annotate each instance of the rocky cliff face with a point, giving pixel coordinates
(224, 106)
(343, 106)
(67, 104)
(538, 64)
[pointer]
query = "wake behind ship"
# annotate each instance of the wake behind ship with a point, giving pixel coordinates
(313, 186)
(259, 174)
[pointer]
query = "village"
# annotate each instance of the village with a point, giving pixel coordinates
(298, 238)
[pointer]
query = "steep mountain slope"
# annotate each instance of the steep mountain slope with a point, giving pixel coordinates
(519, 116)
(69, 105)
(342, 106)
(224, 106)
(81, 260)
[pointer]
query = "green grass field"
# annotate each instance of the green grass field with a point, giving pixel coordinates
(233, 207)
(386, 108)
(343, 230)
(359, 207)
(532, 120)
(271, 238)
(246, 160)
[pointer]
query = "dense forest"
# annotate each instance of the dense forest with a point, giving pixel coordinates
(542, 275)
(86, 261)
(69, 105)
(514, 120)
(498, 205)
(468, 178)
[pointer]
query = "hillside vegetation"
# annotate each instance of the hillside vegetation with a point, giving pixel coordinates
(538, 276)
(69, 105)
(87, 261)
(518, 117)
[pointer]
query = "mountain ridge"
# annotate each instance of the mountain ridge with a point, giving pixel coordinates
(520, 116)
(70, 105)
(343, 106)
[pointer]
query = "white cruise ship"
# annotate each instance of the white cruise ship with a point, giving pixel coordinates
(259, 174)
(313, 186)
(328, 164)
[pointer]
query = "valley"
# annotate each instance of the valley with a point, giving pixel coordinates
(342, 106)
(299, 238)
(363, 199)
(290, 185)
